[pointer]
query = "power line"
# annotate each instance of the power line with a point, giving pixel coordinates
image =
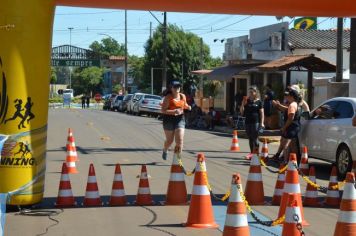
(224, 27)
(86, 13)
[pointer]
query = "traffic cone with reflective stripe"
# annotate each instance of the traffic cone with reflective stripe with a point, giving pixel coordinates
(236, 223)
(201, 213)
(70, 160)
(254, 187)
(304, 166)
(71, 149)
(278, 190)
(311, 193)
(264, 151)
(92, 197)
(144, 194)
(293, 216)
(235, 147)
(291, 185)
(346, 223)
(177, 190)
(118, 197)
(65, 195)
(333, 195)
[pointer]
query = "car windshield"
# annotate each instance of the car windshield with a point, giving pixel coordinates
(127, 97)
(118, 98)
(153, 97)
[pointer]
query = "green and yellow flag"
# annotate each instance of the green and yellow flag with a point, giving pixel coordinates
(306, 23)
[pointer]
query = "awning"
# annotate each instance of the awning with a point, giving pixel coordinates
(201, 72)
(226, 73)
(297, 62)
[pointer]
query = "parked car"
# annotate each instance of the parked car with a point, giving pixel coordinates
(148, 104)
(116, 102)
(123, 104)
(108, 101)
(329, 132)
(135, 97)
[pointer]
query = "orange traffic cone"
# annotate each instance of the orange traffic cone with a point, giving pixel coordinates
(254, 187)
(291, 185)
(92, 197)
(177, 190)
(278, 190)
(235, 147)
(304, 166)
(200, 210)
(236, 223)
(293, 216)
(70, 160)
(144, 194)
(118, 197)
(311, 193)
(65, 195)
(346, 223)
(333, 195)
(264, 150)
(71, 149)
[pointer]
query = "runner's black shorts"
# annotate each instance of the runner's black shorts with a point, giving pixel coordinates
(172, 123)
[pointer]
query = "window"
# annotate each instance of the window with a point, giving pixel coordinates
(326, 111)
(344, 110)
(257, 79)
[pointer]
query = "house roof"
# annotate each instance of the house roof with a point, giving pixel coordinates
(316, 39)
(200, 72)
(309, 62)
(225, 73)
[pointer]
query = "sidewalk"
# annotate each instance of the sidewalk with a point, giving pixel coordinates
(272, 136)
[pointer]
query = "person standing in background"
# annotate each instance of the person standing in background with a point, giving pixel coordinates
(267, 105)
(88, 101)
(83, 101)
(252, 109)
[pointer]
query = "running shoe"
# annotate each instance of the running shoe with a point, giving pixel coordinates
(164, 155)
(249, 156)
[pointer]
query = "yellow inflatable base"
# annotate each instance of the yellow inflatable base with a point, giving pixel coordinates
(18, 200)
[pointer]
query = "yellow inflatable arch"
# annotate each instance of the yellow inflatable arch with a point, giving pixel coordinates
(25, 45)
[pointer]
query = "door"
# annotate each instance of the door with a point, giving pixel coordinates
(314, 131)
(337, 129)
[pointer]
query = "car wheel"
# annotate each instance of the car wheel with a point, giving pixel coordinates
(343, 161)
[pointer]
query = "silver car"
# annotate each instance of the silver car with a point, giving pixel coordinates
(330, 133)
(135, 97)
(148, 104)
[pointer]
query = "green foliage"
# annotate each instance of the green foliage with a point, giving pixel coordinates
(117, 88)
(183, 56)
(108, 47)
(87, 80)
(136, 68)
(53, 77)
(211, 88)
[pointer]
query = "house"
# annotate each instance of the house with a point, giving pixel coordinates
(244, 54)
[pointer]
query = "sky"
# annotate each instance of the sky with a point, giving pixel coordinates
(90, 24)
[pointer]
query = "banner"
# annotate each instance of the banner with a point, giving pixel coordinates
(306, 23)
(3, 197)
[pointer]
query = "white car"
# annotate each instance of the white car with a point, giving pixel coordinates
(330, 133)
(116, 102)
(148, 104)
(135, 97)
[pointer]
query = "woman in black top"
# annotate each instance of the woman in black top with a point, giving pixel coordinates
(252, 108)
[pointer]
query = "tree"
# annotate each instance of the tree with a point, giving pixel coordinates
(183, 56)
(87, 80)
(108, 47)
(53, 77)
(136, 69)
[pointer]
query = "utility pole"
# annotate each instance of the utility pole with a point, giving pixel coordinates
(352, 80)
(339, 49)
(125, 76)
(150, 30)
(70, 55)
(201, 85)
(164, 73)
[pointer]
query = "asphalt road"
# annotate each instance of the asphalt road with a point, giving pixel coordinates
(107, 138)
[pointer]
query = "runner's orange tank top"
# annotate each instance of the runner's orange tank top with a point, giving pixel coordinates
(174, 104)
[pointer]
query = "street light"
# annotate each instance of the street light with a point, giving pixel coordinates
(70, 55)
